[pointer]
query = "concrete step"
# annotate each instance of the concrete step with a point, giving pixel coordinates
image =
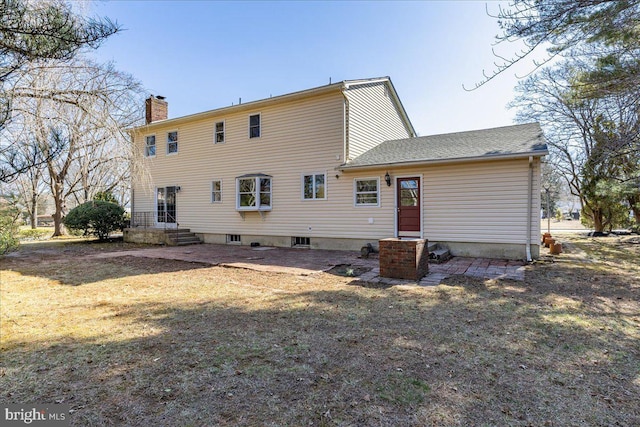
(438, 253)
(182, 237)
(188, 242)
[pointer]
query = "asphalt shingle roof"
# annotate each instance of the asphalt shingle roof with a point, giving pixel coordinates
(526, 139)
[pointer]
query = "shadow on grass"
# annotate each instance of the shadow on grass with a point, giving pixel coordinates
(85, 262)
(560, 349)
(82, 272)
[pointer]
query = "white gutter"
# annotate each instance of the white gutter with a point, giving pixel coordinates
(529, 205)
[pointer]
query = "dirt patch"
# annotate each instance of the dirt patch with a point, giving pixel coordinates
(348, 270)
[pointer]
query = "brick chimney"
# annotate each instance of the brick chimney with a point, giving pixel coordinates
(156, 109)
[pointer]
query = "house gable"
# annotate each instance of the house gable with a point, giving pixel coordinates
(374, 114)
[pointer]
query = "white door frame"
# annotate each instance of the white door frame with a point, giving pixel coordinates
(420, 176)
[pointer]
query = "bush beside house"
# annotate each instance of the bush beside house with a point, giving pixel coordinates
(99, 218)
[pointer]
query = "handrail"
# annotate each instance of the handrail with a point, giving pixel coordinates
(174, 220)
(141, 219)
(145, 220)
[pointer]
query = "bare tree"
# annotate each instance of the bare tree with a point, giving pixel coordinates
(30, 184)
(84, 108)
(34, 30)
(593, 141)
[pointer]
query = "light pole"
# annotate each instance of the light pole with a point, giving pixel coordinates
(546, 190)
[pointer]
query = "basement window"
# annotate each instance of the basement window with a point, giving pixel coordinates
(301, 242)
(234, 238)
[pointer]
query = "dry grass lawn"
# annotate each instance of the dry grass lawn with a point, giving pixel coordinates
(130, 341)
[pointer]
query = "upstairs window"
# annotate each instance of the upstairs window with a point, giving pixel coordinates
(150, 146)
(367, 192)
(253, 192)
(216, 191)
(172, 142)
(254, 126)
(313, 186)
(219, 133)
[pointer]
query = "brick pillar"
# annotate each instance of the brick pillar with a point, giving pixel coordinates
(404, 259)
(156, 108)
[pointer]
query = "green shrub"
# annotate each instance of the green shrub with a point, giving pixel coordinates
(8, 230)
(558, 214)
(97, 217)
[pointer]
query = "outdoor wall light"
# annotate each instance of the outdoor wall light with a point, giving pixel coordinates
(387, 178)
(178, 189)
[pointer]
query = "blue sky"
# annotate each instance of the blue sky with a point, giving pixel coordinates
(203, 55)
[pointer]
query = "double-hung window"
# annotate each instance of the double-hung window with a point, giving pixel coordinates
(216, 191)
(150, 146)
(254, 126)
(219, 133)
(314, 186)
(172, 142)
(253, 192)
(366, 192)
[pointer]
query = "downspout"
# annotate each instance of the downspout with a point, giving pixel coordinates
(529, 205)
(345, 131)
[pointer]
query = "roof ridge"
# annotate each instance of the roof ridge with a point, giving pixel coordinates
(480, 130)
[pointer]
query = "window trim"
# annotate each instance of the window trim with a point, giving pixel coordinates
(173, 142)
(219, 191)
(257, 193)
(215, 132)
(146, 146)
(355, 192)
(313, 175)
(259, 126)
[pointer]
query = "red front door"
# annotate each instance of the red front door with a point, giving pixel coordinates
(408, 205)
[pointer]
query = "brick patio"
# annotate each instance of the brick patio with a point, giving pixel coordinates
(304, 261)
(483, 268)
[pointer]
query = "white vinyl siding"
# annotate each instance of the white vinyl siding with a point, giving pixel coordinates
(373, 118)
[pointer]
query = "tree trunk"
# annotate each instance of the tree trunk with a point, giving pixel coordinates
(598, 220)
(33, 212)
(634, 202)
(58, 201)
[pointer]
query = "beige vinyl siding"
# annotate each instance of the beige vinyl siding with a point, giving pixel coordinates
(484, 202)
(480, 202)
(465, 202)
(297, 137)
(373, 117)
